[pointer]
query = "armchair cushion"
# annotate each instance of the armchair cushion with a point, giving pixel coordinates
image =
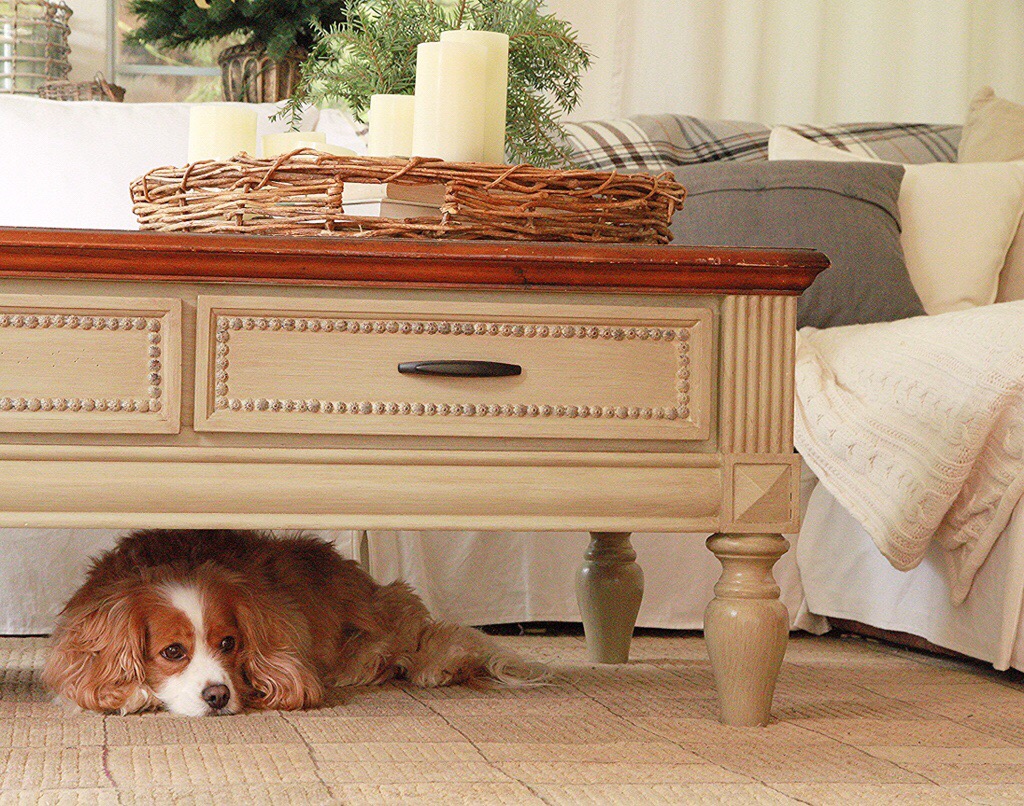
(846, 210)
(958, 221)
(662, 142)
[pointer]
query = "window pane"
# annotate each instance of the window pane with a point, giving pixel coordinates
(149, 73)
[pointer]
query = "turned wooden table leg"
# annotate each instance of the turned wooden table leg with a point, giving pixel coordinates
(609, 588)
(363, 550)
(746, 626)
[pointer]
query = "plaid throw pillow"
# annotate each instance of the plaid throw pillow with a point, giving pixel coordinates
(654, 143)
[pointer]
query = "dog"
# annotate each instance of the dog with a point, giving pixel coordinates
(218, 622)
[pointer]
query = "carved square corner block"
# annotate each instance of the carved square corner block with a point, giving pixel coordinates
(764, 494)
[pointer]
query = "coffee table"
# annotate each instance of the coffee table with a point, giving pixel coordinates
(168, 380)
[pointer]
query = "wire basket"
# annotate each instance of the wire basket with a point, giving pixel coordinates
(301, 194)
(99, 89)
(33, 44)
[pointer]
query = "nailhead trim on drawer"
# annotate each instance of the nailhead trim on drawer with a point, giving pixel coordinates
(225, 324)
(85, 322)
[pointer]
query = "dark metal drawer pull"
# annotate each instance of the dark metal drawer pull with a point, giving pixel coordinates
(457, 368)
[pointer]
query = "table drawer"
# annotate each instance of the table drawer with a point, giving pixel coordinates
(77, 364)
(331, 366)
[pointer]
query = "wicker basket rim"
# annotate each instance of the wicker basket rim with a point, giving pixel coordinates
(301, 192)
(416, 170)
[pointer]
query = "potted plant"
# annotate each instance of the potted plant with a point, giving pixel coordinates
(374, 51)
(277, 35)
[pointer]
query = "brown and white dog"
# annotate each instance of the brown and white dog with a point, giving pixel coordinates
(221, 621)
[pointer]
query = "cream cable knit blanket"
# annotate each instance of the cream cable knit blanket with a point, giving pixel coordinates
(917, 428)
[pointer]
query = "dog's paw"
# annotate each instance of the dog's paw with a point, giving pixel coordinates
(70, 706)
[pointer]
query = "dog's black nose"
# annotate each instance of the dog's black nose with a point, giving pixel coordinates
(216, 696)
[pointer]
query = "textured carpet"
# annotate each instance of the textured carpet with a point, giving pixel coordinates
(856, 722)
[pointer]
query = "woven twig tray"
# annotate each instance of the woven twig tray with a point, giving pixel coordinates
(301, 194)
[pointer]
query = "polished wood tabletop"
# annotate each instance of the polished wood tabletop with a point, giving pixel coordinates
(98, 254)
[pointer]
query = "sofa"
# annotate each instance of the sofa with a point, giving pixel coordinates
(949, 573)
(68, 165)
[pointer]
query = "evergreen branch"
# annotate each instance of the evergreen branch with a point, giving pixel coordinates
(279, 25)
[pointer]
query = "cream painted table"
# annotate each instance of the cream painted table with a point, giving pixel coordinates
(232, 381)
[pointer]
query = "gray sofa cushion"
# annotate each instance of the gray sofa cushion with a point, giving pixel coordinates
(847, 210)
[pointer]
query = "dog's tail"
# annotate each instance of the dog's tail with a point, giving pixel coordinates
(507, 668)
(450, 653)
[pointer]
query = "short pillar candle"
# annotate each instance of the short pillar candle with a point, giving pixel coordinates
(390, 121)
(274, 145)
(448, 121)
(219, 131)
(496, 89)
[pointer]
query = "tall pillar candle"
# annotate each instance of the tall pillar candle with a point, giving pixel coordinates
(391, 121)
(496, 90)
(219, 131)
(448, 120)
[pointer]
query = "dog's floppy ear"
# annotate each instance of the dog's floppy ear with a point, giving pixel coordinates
(97, 660)
(272, 661)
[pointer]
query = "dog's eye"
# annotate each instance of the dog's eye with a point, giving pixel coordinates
(227, 644)
(173, 652)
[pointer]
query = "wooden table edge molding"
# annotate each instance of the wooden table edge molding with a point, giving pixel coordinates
(145, 381)
(124, 255)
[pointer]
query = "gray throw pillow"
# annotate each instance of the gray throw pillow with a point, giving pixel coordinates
(847, 210)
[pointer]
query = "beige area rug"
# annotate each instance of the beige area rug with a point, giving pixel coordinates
(857, 722)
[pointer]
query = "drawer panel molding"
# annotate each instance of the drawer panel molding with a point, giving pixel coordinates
(575, 340)
(226, 324)
(89, 364)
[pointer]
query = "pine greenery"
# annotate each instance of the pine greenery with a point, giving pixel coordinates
(374, 51)
(277, 24)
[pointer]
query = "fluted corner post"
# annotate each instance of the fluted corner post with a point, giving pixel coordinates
(609, 589)
(746, 626)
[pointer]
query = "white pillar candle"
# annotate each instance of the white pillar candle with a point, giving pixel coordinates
(219, 131)
(390, 122)
(281, 143)
(496, 90)
(338, 151)
(448, 120)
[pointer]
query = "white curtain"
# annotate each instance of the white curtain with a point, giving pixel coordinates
(775, 61)
(797, 61)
